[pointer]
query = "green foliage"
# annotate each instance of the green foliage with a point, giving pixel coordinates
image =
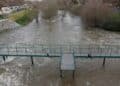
(23, 17)
(113, 23)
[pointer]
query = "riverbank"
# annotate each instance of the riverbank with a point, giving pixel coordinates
(6, 24)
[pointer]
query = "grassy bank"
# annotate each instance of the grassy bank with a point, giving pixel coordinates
(23, 17)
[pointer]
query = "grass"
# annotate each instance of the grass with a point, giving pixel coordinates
(23, 17)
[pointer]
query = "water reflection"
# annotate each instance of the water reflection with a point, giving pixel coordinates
(65, 29)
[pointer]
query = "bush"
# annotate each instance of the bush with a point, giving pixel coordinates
(23, 17)
(113, 23)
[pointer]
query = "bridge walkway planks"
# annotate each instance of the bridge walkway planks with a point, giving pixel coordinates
(67, 64)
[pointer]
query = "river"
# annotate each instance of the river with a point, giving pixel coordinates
(67, 29)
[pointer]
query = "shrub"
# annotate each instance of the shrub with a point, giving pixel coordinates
(112, 23)
(23, 17)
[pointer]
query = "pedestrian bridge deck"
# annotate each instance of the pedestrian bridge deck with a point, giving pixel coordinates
(67, 63)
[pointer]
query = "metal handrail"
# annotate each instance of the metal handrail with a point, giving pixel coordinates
(78, 50)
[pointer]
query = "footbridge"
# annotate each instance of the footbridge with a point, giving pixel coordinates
(67, 53)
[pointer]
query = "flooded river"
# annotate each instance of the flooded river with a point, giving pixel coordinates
(67, 29)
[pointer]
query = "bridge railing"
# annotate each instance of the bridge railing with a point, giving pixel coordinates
(98, 51)
(25, 49)
(78, 50)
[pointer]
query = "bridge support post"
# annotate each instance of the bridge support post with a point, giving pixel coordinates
(4, 58)
(61, 75)
(104, 61)
(32, 61)
(73, 74)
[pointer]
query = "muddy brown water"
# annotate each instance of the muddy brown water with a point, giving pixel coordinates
(67, 29)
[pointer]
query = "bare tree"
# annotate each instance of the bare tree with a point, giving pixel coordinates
(36, 9)
(95, 11)
(49, 9)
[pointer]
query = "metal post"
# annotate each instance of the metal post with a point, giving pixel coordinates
(4, 58)
(73, 74)
(104, 60)
(61, 74)
(32, 61)
(37, 18)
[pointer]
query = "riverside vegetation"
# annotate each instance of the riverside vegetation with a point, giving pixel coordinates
(94, 13)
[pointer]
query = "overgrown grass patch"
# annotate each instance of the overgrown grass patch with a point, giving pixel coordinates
(23, 17)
